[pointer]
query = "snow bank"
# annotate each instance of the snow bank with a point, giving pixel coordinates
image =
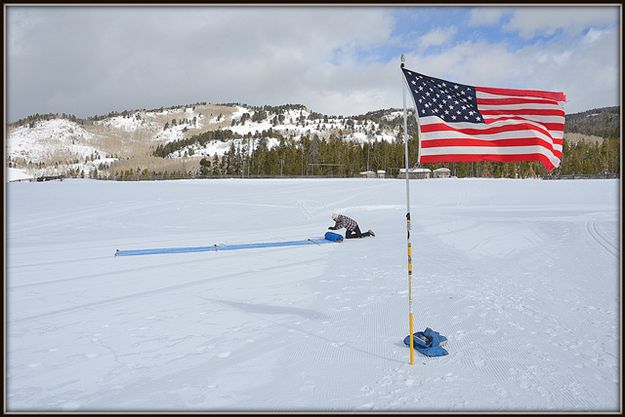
(15, 174)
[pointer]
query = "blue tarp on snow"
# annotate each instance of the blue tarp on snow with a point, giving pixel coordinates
(217, 248)
(428, 342)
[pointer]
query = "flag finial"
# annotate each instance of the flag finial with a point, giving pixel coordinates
(403, 59)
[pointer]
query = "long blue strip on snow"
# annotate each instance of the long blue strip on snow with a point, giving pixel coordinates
(216, 248)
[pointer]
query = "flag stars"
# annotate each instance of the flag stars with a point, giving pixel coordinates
(448, 101)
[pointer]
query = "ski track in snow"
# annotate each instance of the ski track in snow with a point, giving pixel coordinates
(601, 239)
(525, 288)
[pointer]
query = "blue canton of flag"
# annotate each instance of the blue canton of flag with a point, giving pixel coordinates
(450, 101)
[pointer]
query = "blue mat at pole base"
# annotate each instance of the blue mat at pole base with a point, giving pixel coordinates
(216, 248)
(428, 342)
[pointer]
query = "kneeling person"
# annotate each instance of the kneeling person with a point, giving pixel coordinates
(352, 229)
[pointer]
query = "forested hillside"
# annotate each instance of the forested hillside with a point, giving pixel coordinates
(604, 122)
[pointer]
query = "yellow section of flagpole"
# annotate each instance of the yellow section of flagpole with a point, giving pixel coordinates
(411, 340)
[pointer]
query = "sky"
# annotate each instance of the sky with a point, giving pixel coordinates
(91, 60)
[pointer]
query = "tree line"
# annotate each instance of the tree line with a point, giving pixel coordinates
(312, 156)
(333, 156)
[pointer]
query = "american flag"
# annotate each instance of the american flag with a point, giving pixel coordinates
(462, 123)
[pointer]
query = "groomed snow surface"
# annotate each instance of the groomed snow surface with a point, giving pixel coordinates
(522, 277)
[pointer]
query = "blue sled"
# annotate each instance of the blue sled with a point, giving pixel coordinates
(334, 237)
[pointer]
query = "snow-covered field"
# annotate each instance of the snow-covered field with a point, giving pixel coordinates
(522, 277)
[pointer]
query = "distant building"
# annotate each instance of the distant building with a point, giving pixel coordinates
(415, 173)
(381, 173)
(367, 174)
(441, 173)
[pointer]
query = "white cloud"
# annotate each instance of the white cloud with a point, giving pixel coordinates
(587, 72)
(437, 37)
(594, 35)
(91, 60)
(533, 21)
(99, 59)
(486, 16)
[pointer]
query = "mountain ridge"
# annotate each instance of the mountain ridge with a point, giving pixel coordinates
(178, 137)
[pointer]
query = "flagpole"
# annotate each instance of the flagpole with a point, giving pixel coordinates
(410, 317)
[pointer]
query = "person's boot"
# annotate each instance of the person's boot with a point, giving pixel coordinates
(371, 232)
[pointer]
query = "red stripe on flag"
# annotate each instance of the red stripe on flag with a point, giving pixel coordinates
(552, 95)
(529, 112)
(555, 126)
(429, 159)
(559, 127)
(511, 100)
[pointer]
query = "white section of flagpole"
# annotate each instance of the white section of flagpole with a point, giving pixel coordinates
(410, 316)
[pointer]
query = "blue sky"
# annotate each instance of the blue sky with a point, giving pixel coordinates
(88, 60)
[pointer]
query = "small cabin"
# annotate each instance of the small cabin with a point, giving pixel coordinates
(415, 173)
(381, 173)
(441, 173)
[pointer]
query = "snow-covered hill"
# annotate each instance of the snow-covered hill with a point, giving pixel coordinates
(82, 145)
(295, 123)
(50, 139)
(64, 137)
